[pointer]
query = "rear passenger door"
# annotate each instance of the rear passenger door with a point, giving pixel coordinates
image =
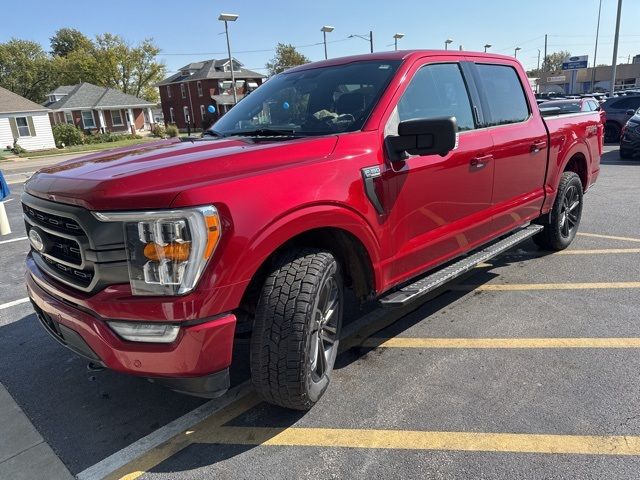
(519, 145)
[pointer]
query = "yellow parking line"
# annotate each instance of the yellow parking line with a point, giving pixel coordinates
(405, 342)
(609, 237)
(598, 251)
(155, 456)
(422, 440)
(546, 286)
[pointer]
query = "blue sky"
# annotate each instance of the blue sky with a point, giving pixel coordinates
(189, 31)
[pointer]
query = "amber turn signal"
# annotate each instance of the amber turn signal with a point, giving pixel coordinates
(177, 252)
(213, 234)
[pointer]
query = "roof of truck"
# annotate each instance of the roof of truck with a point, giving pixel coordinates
(401, 55)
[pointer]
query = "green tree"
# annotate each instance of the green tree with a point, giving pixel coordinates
(25, 69)
(134, 70)
(68, 40)
(553, 63)
(286, 57)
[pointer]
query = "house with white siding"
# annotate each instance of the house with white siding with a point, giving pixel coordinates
(24, 121)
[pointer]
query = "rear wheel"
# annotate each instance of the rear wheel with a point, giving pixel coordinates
(297, 326)
(611, 132)
(626, 154)
(565, 215)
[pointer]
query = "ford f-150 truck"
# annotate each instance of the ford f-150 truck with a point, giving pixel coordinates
(388, 174)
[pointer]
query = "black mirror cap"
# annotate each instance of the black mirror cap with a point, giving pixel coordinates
(423, 136)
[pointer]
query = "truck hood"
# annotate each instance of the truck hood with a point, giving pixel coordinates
(151, 175)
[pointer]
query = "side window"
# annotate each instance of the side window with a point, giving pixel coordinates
(586, 106)
(437, 91)
(505, 96)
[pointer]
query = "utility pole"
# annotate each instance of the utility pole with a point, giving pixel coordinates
(371, 39)
(538, 60)
(545, 51)
(615, 49)
(595, 51)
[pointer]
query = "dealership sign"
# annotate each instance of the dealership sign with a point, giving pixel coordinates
(575, 63)
(559, 78)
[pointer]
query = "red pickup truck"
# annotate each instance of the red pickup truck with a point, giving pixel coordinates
(388, 174)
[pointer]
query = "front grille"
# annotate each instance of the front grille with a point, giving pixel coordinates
(78, 250)
(54, 222)
(73, 275)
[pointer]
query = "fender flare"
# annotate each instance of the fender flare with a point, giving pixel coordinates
(305, 219)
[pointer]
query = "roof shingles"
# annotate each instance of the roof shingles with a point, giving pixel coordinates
(89, 96)
(209, 69)
(13, 103)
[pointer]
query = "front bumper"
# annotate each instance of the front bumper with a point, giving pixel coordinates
(197, 360)
(630, 142)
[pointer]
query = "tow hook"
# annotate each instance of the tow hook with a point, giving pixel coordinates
(93, 367)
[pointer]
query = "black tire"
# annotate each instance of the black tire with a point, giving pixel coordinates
(299, 312)
(612, 132)
(565, 215)
(626, 154)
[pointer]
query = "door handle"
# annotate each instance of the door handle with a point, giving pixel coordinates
(537, 146)
(480, 161)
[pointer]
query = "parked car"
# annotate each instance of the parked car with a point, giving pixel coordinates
(618, 110)
(630, 139)
(389, 174)
(572, 106)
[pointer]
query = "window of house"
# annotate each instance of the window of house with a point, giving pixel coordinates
(185, 111)
(505, 95)
(251, 86)
(23, 127)
(68, 117)
(183, 91)
(172, 119)
(87, 119)
(202, 111)
(116, 118)
(168, 91)
(199, 85)
(436, 91)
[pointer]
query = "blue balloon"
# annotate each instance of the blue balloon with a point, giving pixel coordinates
(285, 105)
(211, 109)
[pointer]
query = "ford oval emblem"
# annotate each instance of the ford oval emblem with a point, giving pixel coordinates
(36, 240)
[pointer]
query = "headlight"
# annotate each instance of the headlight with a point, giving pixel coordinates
(167, 250)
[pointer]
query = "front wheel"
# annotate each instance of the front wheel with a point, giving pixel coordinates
(565, 215)
(297, 326)
(611, 132)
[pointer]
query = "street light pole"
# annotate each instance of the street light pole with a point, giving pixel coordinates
(326, 29)
(368, 38)
(396, 37)
(515, 53)
(230, 17)
(488, 45)
(538, 60)
(447, 42)
(614, 62)
(595, 51)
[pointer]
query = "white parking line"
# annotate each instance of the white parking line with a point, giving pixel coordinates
(13, 240)
(157, 437)
(14, 303)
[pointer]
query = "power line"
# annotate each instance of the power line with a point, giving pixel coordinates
(254, 51)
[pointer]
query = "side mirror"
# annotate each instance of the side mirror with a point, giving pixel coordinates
(423, 136)
(631, 112)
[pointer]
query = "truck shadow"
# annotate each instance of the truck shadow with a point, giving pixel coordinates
(87, 416)
(613, 158)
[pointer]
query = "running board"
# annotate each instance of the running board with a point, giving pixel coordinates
(429, 283)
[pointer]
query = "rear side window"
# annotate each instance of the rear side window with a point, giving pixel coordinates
(504, 93)
(437, 91)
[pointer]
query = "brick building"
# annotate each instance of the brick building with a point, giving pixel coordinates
(189, 92)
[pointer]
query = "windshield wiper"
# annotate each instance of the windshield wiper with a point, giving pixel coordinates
(265, 132)
(213, 133)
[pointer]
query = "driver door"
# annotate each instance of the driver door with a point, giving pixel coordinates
(439, 206)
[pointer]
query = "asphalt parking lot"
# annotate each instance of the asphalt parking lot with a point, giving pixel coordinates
(526, 369)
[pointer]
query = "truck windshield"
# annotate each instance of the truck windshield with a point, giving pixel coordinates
(317, 101)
